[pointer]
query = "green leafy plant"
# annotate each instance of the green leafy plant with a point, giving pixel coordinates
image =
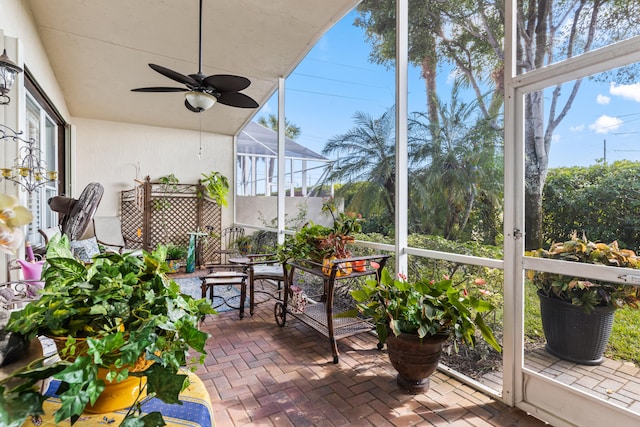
(217, 187)
(304, 244)
(424, 307)
(244, 244)
(176, 251)
(114, 312)
(317, 242)
(344, 224)
(168, 184)
(581, 292)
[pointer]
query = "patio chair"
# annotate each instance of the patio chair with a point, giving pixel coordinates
(263, 267)
(229, 247)
(108, 233)
(48, 233)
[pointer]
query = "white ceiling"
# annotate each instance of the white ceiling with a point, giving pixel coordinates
(99, 51)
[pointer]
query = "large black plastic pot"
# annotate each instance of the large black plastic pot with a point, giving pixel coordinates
(415, 359)
(573, 334)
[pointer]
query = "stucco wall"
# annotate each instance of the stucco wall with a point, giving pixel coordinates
(250, 209)
(115, 154)
(18, 35)
(16, 22)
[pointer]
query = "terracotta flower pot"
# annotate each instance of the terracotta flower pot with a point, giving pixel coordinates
(415, 359)
(360, 265)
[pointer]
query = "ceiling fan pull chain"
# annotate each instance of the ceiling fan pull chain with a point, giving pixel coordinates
(200, 148)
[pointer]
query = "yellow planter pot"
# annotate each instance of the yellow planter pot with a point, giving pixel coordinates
(344, 268)
(117, 395)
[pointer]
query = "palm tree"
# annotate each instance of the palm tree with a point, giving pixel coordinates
(458, 166)
(291, 130)
(366, 163)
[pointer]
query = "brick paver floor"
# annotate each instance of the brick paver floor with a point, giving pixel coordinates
(259, 374)
(615, 381)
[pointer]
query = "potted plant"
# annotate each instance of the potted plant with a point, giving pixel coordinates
(304, 244)
(577, 314)
(243, 244)
(414, 319)
(116, 318)
(176, 254)
(334, 246)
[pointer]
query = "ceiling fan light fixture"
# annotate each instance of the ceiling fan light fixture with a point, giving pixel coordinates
(200, 100)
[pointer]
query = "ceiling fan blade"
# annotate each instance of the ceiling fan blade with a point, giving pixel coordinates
(160, 89)
(236, 99)
(227, 83)
(191, 107)
(174, 75)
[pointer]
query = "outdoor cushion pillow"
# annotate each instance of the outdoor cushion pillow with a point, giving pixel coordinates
(85, 249)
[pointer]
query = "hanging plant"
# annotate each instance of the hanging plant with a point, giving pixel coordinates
(217, 187)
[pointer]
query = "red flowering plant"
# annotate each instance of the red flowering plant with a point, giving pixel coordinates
(424, 307)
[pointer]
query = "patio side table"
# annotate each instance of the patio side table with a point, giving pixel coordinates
(226, 275)
(318, 311)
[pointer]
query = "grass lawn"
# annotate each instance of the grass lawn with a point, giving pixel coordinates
(623, 343)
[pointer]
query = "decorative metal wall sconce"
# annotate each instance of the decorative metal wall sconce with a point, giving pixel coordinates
(28, 171)
(8, 72)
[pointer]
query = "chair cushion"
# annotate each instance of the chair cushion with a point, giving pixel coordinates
(85, 249)
(108, 229)
(268, 270)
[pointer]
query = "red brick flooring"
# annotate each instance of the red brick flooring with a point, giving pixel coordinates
(259, 374)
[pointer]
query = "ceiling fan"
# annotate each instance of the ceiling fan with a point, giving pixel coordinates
(204, 91)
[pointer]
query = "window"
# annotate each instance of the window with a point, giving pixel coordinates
(46, 127)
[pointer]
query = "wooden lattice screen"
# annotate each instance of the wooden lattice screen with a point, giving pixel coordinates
(153, 213)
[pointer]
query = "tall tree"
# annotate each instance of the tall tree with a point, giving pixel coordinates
(469, 36)
(377, 17)
(366, 162)
(455, 170)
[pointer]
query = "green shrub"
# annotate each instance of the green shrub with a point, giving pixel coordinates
(601, 200)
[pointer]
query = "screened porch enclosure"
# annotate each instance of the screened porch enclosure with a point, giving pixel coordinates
(257, 157)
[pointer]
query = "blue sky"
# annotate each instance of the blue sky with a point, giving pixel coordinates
(336, 79)
(607, 111)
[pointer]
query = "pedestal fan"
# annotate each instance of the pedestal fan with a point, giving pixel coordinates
(76, 214)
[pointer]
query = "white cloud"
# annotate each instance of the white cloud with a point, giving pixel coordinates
(578, 128)
(631, 92)
(602, 99)
(555, 138)
(605, 124)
